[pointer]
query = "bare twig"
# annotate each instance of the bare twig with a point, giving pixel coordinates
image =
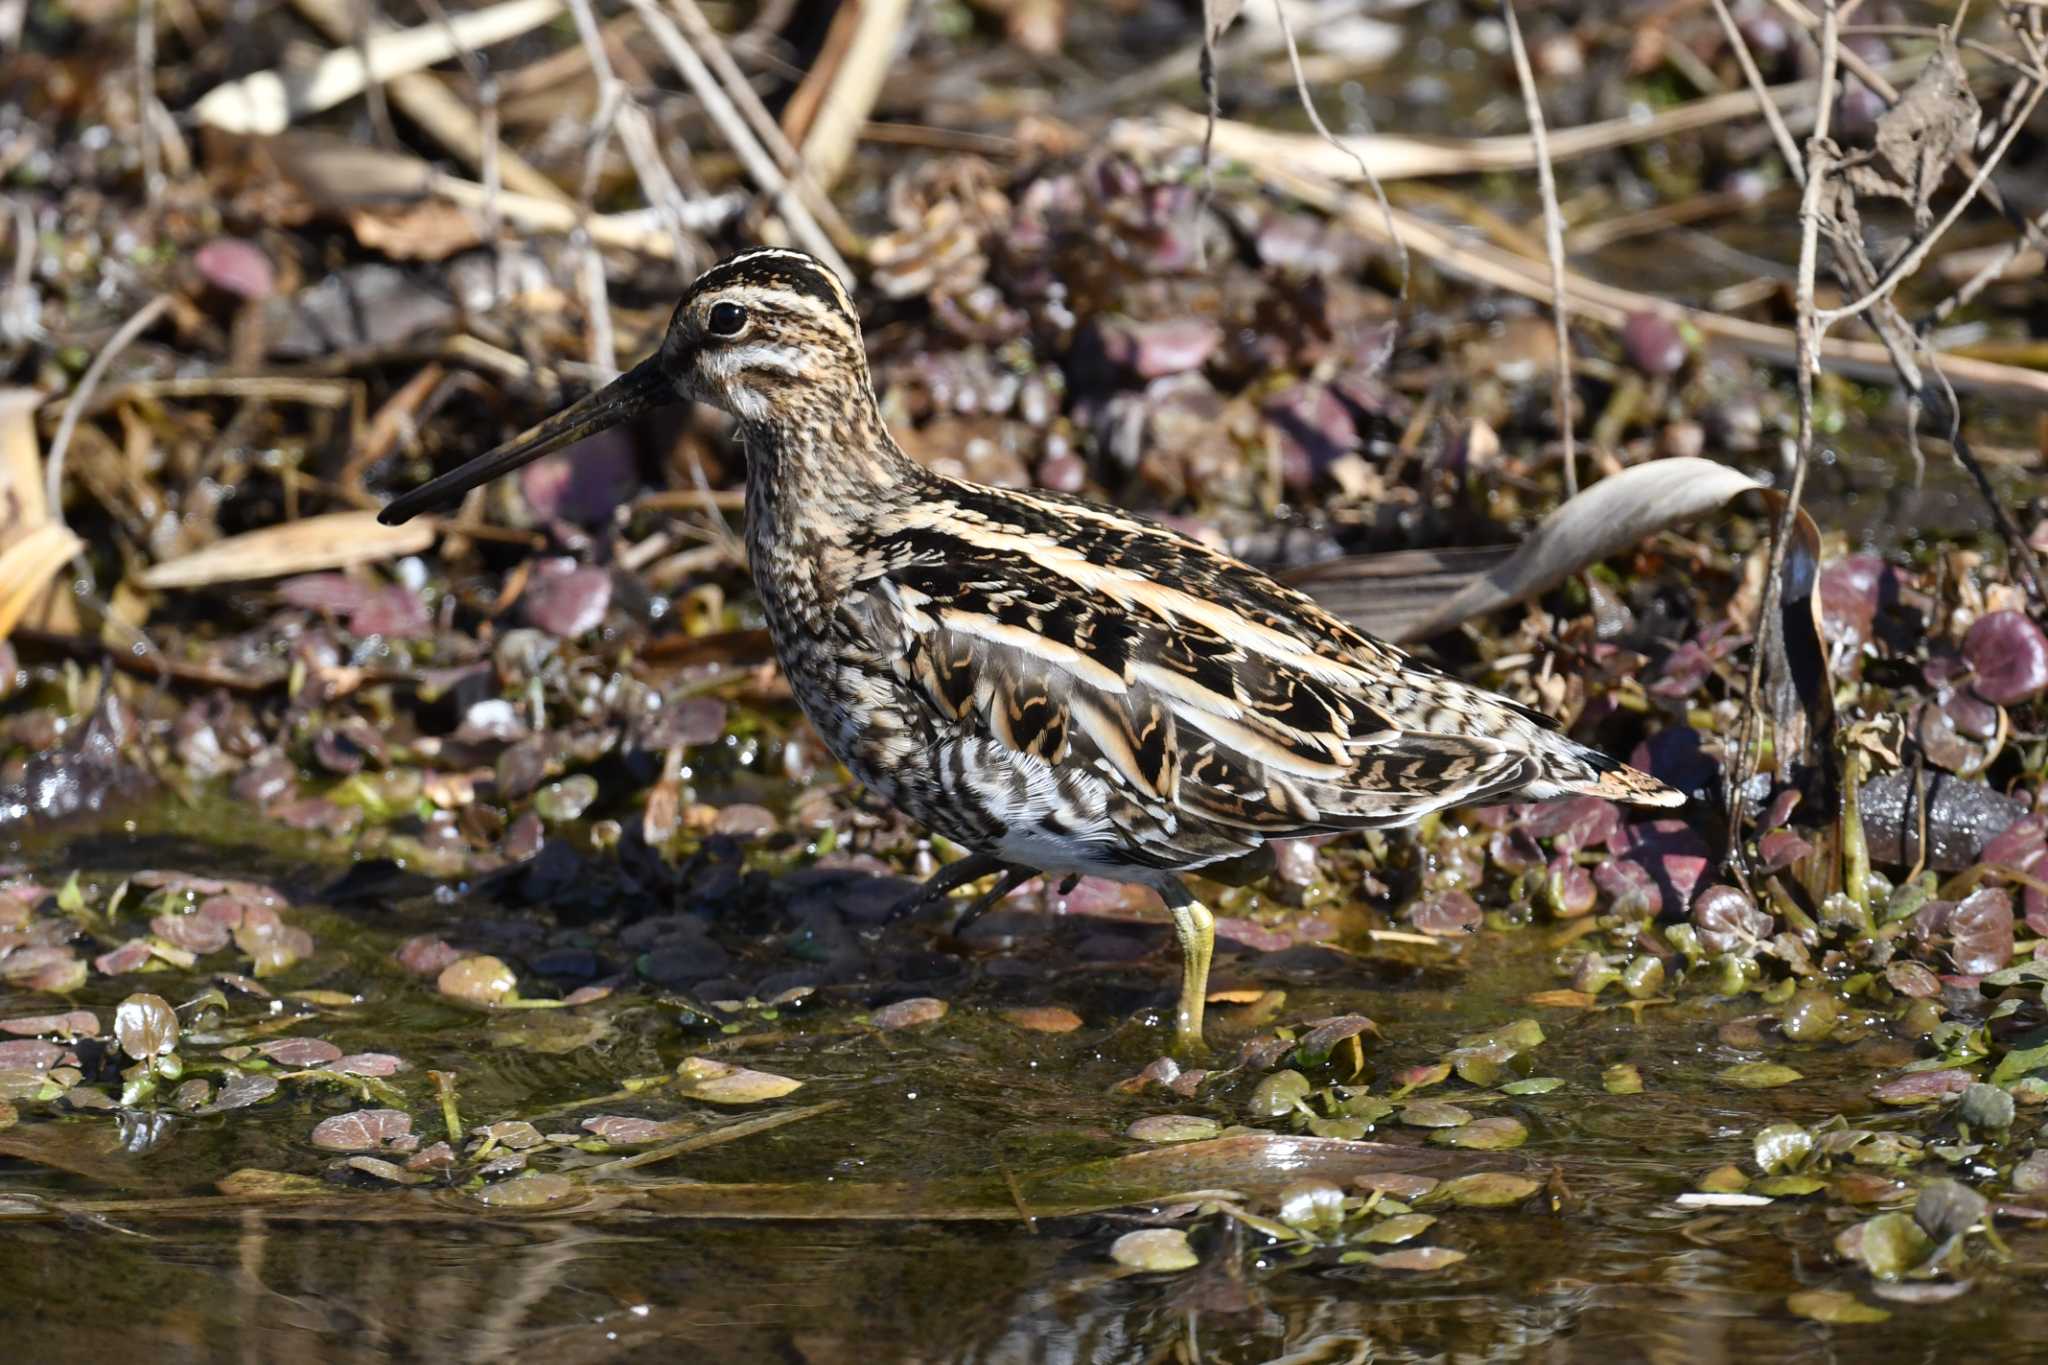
(1747, 61)
(629, 121)
(1912, 259)
(844, 110)
(422, 96)
(761, 167)
(145, 100)
(1819, 161)
(1553, 240)
(1604, 303)
(712, 49)
(1315, 117)
(81, 396)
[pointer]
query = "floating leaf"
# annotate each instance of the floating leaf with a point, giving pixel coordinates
(908, 1013)
(1043, 1019)
(1834, 1307)
(1154, 1249)
(1759, 1075)
(242, 1090)
(1790, 1186)
(1484, 1190)
(1622, 1079)
(703, 1078)
(1981, 931)
(366, 1130)
(299, 1052)
(2008, 656)
(1400, 1228)
(1782, 1147)
(1434, 1114)
(1534, 1085)
(367, 1064)
(1323, 1037)
(1889, 1245)
(1487, 1135)
(479, 980)
(1316, 1205)
(1173, 1128)
(531, 1190)
(1417, 1258)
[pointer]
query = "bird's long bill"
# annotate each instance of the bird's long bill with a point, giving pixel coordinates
(640, 389)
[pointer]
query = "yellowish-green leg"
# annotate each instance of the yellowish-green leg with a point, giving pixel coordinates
(1195, 927)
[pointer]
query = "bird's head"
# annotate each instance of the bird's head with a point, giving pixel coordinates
(769, 335)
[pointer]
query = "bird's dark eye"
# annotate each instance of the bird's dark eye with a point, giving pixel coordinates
(726, 319)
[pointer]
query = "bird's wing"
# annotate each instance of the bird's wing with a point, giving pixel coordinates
(1201, 689)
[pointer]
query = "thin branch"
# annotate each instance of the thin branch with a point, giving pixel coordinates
(1911, 261)
(145, 100)
(1553, 240)
(81, 396)
(761, 168)
(706, 39)
(1747, 61)
(1819, 161)
(1315, 117)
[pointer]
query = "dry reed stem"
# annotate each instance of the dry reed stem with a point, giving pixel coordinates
(1553, 241)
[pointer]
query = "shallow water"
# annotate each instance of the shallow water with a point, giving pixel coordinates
(880, 1228)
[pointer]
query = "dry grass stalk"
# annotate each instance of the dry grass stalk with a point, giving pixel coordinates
(1553, 240)
(732, 126)
(268, 102)
(1603, 303)
(855, 86)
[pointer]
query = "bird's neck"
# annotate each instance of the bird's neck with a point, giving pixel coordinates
(818, 467)
(818, 460)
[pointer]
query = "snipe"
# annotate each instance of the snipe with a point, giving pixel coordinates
(1057, 685)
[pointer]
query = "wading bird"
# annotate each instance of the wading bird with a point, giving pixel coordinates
(1059, 686)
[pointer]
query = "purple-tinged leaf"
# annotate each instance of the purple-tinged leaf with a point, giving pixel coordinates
(1980, 931)
(2009, 656)
(366, 1130)
(565, 598)
(1729, 921)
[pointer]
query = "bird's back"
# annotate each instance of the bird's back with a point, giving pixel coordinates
(1039, 668)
